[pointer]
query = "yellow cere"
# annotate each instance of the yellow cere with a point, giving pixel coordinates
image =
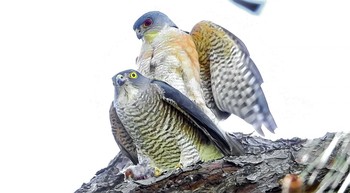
(119, 76)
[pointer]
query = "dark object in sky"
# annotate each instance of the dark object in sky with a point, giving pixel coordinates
(252, 6)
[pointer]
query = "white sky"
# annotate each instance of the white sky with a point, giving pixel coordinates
(57, 59)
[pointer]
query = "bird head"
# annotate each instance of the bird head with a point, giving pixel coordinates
(151, 23)
(128, 84)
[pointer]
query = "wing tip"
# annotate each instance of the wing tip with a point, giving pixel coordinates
(220, 115)
(269, 123)
(236, 148)
(259, 130)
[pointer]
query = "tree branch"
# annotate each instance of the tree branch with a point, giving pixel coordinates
(261, 169)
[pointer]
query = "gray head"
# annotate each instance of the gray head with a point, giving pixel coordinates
(154, 20)
(130, 81)
(130, 76)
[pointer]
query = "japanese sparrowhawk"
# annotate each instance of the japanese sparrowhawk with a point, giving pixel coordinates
(161, 125)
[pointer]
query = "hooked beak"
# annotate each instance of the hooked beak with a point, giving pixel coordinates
(138, 33)
(120, 80)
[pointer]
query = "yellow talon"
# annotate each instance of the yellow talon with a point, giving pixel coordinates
(178, 166)
(157, 172)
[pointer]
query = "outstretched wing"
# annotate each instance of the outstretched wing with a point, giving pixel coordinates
(230, 80)
(175, 98)
(122, 137)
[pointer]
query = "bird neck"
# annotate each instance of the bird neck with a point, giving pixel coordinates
(150, 35)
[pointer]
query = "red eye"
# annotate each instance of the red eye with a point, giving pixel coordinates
(147, 22)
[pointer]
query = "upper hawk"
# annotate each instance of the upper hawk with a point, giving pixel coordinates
(209, 65)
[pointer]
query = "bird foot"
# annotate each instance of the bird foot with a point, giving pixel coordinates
(140, 172)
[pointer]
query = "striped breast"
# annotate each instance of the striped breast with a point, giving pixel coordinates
(161, 132)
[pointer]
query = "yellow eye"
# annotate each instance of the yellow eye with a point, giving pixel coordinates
(133, 75)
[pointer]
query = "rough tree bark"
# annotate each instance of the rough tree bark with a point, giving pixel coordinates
(261, 169)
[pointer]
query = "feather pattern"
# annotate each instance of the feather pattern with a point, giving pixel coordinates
(122, 137)
(231, 81)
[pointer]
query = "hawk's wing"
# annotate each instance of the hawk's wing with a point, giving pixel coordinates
(175, 98)
(230, 80)
(122, 137)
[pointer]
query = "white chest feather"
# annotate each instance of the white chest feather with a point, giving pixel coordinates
(165, 59)
(172, 57)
